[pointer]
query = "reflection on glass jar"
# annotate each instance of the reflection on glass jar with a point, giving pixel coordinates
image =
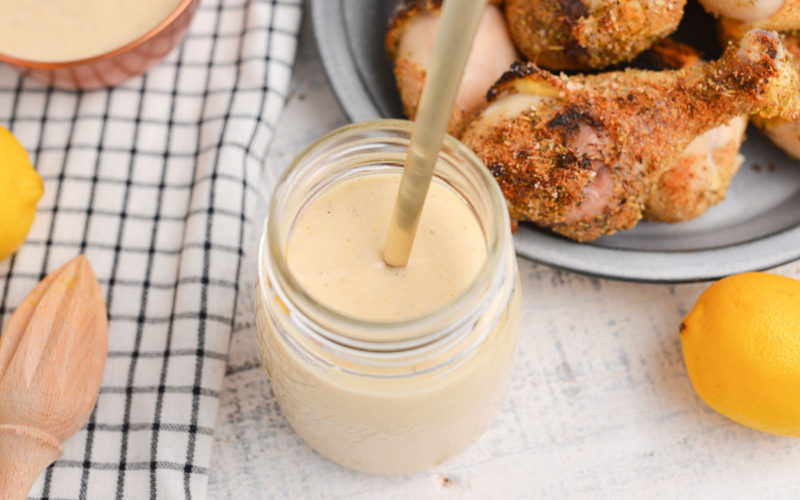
(379, 396)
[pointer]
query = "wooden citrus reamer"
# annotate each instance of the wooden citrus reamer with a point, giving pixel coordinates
(52, 356)
(457, 28)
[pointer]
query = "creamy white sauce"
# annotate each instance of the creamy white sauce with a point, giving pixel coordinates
(67, 30)
(386, 425)
(335, 251)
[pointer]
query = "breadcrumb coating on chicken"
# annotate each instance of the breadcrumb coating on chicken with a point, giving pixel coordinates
(578, 35)
(642, 122)
(700, 177)
(782, 132)
(696, 182)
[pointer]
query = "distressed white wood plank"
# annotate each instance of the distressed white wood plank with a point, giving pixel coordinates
(600, 405)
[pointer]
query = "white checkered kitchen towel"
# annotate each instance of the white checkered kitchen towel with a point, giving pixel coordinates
(155, 181)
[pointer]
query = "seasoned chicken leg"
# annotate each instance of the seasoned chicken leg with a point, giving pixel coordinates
(410, 41)
(580, 155)
(586, 34)
(783, 133)
(700, 177)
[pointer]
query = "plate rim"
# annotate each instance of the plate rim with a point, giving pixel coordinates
(668, 267)
(341, 74)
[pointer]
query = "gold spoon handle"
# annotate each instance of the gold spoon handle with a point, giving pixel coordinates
(457, 29)
(24, 454)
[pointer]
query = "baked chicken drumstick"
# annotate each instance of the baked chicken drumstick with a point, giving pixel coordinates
(410, 40)
(783, 133)
(580, 155)
(581, 34)
(700, 176)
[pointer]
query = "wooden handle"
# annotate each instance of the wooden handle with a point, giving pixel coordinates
(24, 454)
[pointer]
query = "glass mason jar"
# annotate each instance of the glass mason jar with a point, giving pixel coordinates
(388, 397)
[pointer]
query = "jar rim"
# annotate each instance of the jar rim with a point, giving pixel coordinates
(397, 335)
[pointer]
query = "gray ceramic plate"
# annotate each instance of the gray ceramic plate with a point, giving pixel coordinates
(756, 227)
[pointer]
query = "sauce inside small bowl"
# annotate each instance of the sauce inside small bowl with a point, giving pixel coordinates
(71, 30)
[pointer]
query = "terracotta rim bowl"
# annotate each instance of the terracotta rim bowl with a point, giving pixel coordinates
(113, 67)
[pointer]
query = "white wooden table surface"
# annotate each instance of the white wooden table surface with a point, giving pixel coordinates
(600, 405)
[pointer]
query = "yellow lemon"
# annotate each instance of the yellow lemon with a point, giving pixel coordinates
(741, 346)
(20, 190)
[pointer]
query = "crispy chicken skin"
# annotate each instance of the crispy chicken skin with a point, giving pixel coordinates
(783, 133)
(588, 34)
(700, 177)
(410, 41)
(581, 154)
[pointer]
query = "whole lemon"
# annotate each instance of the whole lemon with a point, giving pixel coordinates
(20, 190)
(741, 346)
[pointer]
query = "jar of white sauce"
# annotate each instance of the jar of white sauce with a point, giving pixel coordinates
(376, 393)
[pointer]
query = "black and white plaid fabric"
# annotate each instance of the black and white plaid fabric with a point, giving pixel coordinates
(155, 181)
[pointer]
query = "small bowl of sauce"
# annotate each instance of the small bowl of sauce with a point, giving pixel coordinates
(89, 44)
